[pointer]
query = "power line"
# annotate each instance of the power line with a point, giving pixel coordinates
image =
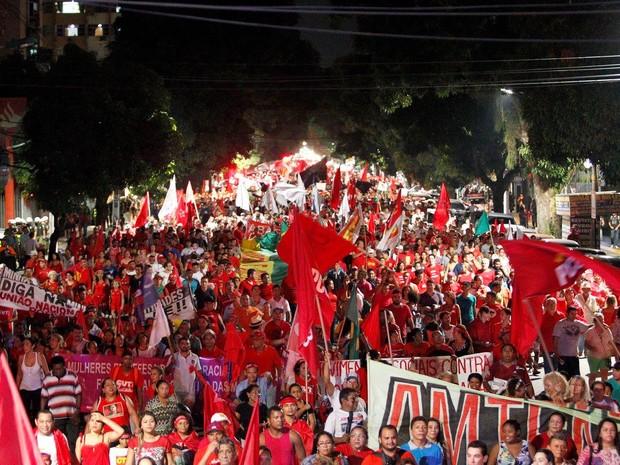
(373, 34)
(368, 11)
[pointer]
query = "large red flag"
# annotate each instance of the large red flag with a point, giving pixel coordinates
(554, 267)
(145, 212)
(334, 202)
(18, 444)
(307, 279)
(442, 212)
(249, 456)
(327, 246)
(370, 327)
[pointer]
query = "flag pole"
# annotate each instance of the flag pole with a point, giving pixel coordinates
(318, 306)
(387, 329)
(546, 353)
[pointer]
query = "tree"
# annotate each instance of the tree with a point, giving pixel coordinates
(94, 128)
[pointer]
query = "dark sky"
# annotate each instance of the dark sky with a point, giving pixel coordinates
(329, 46)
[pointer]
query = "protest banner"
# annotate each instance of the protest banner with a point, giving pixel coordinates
(178, 305)
(429, 366)
(93, 369)
(396, 396)
(17, 294)
(257, 229)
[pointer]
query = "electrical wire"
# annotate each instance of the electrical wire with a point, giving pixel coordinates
(231, 22)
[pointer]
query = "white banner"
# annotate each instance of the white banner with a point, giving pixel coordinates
(16, 293)
(178, 305)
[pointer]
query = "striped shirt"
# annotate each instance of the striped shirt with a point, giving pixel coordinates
(61, 394)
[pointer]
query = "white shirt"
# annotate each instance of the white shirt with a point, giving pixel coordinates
(48, 446)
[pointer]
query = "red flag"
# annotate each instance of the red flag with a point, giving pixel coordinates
(554, 268)
(80, 320)
(214, 404)
(351, 193)
(365, 173)
(305, 275)
(372, 224)
(334, 202)
(234, 354)
(525, 328)
(442, 212)
(370, 327)
(174, 276)
(181, 215)
(249, 456)
(502, 228)
(495, 227)
(145, 212)
(19, 444)
(326, 245)
(99, 246)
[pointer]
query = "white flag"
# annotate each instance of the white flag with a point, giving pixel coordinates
(243, 197)
(269, 202)
(160, 328)
(190, 197)
(316, 199)
(344, 211)
(168, 209)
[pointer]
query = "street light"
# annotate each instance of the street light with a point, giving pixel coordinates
(593, 236)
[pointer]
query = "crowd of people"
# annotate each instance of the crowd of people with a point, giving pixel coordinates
(440, 294)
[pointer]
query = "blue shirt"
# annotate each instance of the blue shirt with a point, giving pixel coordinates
(432, 452)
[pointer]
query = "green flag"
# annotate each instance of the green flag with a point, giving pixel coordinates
(483, 225)
(353, 316)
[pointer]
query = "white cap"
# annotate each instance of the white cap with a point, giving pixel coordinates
(219, 416)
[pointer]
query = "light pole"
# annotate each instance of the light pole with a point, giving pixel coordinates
(593, 236)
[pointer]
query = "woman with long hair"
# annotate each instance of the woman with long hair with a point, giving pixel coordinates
(556, 388)
(250, 396)
(434, 434)
(578, 392)
(163, 406)
(149, 444)
(93, 447)
(325, 452)
(606, 449)
(31, 367)
(56, 347)
(462, 343)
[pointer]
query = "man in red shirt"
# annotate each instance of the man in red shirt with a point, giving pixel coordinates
(550, 317)
(266, 287)
(481, 332)
(129, 380)
(389, 451)
(401, 312)
(270, 364)
(277, 330)
(289, 407)
(248, 283)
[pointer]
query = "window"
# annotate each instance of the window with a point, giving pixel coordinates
(69, 7)
(71, 31)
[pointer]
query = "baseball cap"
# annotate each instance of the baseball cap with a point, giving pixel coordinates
(616, 366)
(215, 426)
(352, 375)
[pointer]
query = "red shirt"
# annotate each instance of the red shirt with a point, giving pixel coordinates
(267, 359)
(127, 383)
